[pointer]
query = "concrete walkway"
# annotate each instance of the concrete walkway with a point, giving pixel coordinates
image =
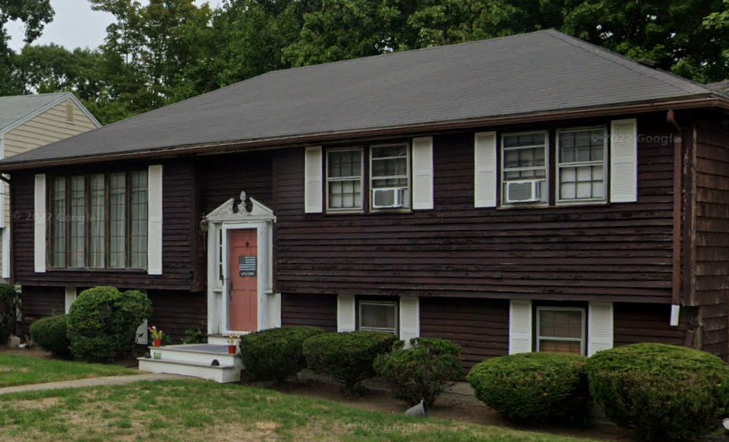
(91, 382)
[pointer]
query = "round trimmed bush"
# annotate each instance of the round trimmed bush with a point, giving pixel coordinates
(103, 322)
(533, 388)
(277, 353)
(663, 392)
(347, 357)
(421, 372)
(51, 335)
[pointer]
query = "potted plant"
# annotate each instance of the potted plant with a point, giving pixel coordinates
(233, 344)
(156, 336)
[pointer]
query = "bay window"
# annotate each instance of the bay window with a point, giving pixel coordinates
(99, 221)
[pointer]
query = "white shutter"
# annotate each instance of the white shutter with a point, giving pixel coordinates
(345, 314)
(599, 327)
(409, 318)
(39, 237)
(624, 161)
(71, 296)
(154, 238)
(485, 178)
(423, 173)
(313, 181)
(520, 327)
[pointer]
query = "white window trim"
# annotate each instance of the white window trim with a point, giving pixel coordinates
(502, 163)
(393, 304)
(583, 340)
(559, 165)
(371, 177)
(340, 179)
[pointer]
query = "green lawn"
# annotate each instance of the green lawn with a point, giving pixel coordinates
(197, 411)
(23, 370)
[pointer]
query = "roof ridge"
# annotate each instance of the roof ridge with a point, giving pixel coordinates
(626, 62)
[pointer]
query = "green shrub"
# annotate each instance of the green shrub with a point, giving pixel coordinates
(533, 388)
(9, 305)
(663, 392)
(194, 336)
(347, 357)
(51, 335)
(421, 372)
(275, 354)
(103, 321)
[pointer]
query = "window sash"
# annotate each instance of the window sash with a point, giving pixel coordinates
(354, 179)
(382, 181)
(505, 149)
(86, 229)
(390, 304)
(561, 165)
(583, 328)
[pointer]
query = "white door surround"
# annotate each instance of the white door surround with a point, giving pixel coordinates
(233, 215)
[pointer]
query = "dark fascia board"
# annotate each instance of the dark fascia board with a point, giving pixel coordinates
(707, 101)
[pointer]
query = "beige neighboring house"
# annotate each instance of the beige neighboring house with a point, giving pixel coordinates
(28, 122)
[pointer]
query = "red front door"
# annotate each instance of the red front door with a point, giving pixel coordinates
(243, 288)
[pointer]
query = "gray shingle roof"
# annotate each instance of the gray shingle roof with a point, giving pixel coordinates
(544, 71)
(722, 88)
(17, 107)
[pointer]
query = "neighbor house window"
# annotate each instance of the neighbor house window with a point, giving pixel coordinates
(581, 165)
(99, 221)
(561, 330)
(378, 316)
(344, 179)
(524, 168)
(390, 176)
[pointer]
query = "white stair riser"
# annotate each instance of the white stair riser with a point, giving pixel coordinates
(220, 340)
(187, 356)
(216, 374)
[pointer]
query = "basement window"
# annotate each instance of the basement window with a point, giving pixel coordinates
(561, 330)
(378, 316)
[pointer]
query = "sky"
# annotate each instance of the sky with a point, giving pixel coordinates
(75, 25)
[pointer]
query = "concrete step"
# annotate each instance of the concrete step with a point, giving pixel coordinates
(220, 340)
(221, 374)
(198, 353)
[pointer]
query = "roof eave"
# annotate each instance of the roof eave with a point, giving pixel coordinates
(706, 101)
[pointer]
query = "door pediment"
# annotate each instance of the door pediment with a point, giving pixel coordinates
(246, 209)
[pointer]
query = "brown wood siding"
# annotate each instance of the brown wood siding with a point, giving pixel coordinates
(41, 302)
(618, 252)
(636, 323)
(711, 240)
(224, 177)
(310, 311)
(178, 237)
(479, 326)
(178, 311)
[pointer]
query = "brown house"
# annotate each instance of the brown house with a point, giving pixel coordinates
(529, 193)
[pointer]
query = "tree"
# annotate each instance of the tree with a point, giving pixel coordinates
(35, 14)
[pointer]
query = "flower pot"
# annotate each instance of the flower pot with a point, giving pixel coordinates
(232, 349)
(157, 343)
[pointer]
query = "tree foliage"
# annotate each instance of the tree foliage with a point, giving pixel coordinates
(164, 51)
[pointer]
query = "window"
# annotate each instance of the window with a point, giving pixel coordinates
(344, 179)
(99, 221)
(378, 316)
(561, 329)
(524, 168)
(581, 165)
(390, 176)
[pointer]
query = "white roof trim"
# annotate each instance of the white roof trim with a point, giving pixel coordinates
(48, 107)
(229, 211)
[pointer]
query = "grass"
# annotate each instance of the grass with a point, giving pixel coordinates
(23, 370)
(197, 411)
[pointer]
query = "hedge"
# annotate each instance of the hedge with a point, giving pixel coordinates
(51, 334)
(275, 354)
